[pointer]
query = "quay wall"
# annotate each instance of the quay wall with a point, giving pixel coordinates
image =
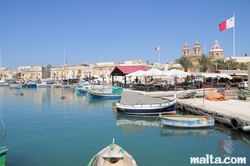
(222, 111)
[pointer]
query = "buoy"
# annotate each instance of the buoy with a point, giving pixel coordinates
(114, 108)
(236, 123)
(63, 97)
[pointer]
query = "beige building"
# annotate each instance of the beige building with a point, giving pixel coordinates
(82, 70)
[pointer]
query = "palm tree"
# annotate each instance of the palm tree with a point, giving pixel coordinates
(220, 65)
(205, 62)
(185, 63)
(231, 64)
(243, 66)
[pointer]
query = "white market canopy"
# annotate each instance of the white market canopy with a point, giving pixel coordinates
(154, 73)
(135, 74)
(178, 73)
(213, 75)
(151, 72)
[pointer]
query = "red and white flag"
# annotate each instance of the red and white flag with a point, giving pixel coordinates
(227, 24)
(157, 48)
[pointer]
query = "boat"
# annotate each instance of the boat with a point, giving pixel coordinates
(133, 103)
(112, 155)
(19, 93)
(187, 120)
(3, 155)
(32, 84)
(43, 84)
(82, 88)
(111, 93)
(3, 149)
(16, 86)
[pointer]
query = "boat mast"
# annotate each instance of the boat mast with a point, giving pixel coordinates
(64, 56)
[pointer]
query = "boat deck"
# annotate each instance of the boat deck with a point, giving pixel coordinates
(131, 98)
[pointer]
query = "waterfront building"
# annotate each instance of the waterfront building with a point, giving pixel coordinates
(76, 71)
(6, 74)
(102, 71)
(28, 73)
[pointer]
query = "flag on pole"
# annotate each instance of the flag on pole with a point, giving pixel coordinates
(157, 48)
(227, 24)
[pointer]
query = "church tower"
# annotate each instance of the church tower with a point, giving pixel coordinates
(197, 48)
(186, 50)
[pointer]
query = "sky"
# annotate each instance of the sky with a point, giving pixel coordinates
(41, 32)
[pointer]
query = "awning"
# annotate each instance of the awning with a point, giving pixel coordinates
(124, 70)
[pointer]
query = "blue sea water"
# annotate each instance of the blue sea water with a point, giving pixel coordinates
(43, 129)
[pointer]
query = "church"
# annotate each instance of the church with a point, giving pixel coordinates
(216, 53)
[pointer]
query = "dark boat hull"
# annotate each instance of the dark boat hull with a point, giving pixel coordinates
(148, 111)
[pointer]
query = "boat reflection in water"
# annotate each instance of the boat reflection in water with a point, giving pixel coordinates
(103, 104)
(168, 131)
(132, 123)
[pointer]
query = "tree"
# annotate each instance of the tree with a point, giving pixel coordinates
(205, 62)
(231, 64)
(185, 63)
(243, 66)
(220, 65)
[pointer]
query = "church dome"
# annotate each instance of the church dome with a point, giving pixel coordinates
(216, 47)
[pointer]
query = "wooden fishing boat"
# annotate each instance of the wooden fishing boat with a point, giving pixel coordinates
(112, 155)
(3, 149)
(15, 86)
(133, 103)
(3, 155)
(187, 120)
(166, 107)
(81, 90)
(112, 93)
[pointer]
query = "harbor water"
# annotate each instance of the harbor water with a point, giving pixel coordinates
(45, 129)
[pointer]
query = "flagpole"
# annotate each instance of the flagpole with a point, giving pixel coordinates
(0, 59)
(234, 36)
(159, 54)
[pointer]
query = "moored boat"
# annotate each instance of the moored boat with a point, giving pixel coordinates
(32, 84)
(43, 84)
(167, 107)
(3, 149)
(82, 90)
(187, 120)
(112, 93)
(133, 103)
(112, 155)
(15, 86)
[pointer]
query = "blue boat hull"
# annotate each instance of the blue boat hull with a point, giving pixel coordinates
(32, 85)
(103, 96)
